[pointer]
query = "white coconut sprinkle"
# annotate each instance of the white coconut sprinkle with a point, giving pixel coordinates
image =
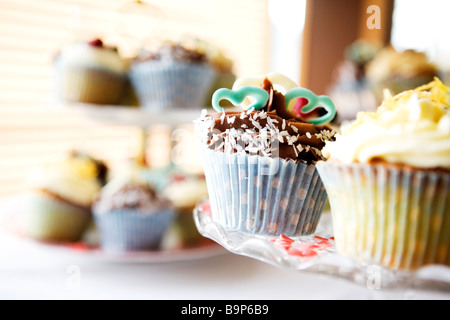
(231, 120)
(260, 139)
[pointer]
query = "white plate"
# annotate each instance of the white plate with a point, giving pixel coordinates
(205, 249)
(10, 233)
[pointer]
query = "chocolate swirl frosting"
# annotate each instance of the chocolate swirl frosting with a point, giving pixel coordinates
(272, 131)
(173, 52)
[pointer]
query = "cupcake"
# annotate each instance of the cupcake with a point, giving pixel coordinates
(185, 191)
(172, 77)
(388, 181)
(220, 62)
(131, 217)
(259, 163)
(90, 72)
(59, 198)
(399, 71)
(350, 90)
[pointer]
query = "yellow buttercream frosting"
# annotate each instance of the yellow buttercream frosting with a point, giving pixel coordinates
(74, 179)
(411, 128)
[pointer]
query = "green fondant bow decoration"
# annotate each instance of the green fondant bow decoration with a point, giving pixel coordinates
(260, 98)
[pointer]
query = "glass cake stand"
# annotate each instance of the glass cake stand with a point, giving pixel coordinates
(317, 254)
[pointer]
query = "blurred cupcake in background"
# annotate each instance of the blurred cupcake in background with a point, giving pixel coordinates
(359, 54)
(131, 217)
(138, 171)
(350, 90)
(171, 77)
(184, 191)
(59, 198)
(91, 72)
(388, 181)
(222, 64)
(399, 71)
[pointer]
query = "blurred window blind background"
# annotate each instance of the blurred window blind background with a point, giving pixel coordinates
(34, 129)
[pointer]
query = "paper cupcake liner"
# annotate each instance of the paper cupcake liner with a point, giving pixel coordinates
(49, 219)
(89, 85)
(164, 85)
(262, 195)
(388, 215)
(129, 230)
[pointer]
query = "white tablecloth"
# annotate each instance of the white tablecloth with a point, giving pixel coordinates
(34, 271)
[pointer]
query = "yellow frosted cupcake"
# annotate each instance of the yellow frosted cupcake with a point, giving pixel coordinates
(59, 198)
(388, 181)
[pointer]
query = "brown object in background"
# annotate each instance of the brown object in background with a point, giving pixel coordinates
(331, 26)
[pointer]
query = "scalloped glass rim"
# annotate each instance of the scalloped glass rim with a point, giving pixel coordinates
(326, 262)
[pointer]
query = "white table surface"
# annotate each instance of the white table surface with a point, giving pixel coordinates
(29, 270)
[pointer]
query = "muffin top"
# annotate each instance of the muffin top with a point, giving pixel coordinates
(76, 179)
(411, 128)
(277, 127)
(140, 197)
(94, 54)
(171, 51)
(392, 63)
(215, 55)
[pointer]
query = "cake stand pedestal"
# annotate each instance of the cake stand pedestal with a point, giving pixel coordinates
(317, 254)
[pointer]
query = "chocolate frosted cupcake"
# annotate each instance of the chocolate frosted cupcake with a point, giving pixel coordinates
(260, 163)
(131, 217)
(171, 77)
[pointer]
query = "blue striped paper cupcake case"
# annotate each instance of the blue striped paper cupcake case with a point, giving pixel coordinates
(171, 85)
(263, 196)
(129, 230)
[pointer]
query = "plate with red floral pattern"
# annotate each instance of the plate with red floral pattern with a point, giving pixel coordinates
(317, 254)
